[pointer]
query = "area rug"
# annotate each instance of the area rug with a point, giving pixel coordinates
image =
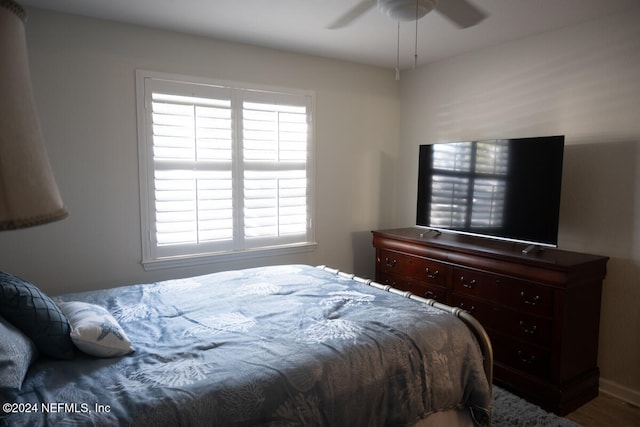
(510, 410)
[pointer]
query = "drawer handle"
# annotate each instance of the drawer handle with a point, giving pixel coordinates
(469, 310)
(469, 285)
(533, 302)
(528, 359)
(431, 275)
(390, 262)
(430, 295)
(528, 329)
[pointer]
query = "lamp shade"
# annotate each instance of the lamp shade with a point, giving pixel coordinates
(28, 191)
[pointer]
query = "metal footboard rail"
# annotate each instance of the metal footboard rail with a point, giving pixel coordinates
(472, 323)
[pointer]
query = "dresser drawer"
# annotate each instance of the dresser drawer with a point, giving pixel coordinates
(420, 289)
(416, 268)
(525, 357)
(519, 295)
(395, 280)
(394, 263)
(424, 290)
(430, 271)
(516, 324)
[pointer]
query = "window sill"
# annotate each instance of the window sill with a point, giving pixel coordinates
(210, 258)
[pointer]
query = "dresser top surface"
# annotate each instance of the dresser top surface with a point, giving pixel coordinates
(511, 251)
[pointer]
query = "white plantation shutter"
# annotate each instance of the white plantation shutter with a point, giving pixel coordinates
(192, 145)
(193, 206)
(225, 169)
(274, 203)
(274, 140)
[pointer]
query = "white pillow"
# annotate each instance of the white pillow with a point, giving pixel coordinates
(94, 330)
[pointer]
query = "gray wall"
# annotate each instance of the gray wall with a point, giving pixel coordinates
(83, 73)
(582, 82)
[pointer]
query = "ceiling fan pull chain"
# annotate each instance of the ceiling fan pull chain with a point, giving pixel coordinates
(398, 55)
(415, 54)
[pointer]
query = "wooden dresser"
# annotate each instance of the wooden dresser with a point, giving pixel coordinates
(541, 310)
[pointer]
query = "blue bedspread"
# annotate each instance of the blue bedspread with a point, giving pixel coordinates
(287, 345)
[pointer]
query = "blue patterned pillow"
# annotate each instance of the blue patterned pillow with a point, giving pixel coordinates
(36, 315)
(17, 352)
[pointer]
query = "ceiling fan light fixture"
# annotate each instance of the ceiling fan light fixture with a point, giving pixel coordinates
(406, 10)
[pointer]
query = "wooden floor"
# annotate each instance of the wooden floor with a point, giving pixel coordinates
(605, 411)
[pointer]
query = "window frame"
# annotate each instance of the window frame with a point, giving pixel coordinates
(152, 257)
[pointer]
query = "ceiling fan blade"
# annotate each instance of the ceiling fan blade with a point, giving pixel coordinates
(461, 12)
(353, 14)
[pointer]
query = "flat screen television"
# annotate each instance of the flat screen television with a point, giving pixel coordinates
(506, 189)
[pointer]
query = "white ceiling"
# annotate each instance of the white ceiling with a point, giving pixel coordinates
(301, 25)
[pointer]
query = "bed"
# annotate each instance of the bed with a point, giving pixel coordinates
(280, 345)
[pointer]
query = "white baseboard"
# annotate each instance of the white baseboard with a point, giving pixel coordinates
(620, 392)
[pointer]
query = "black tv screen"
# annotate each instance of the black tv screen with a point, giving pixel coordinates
(505, 188)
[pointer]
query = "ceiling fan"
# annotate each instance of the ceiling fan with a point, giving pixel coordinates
(460, 12)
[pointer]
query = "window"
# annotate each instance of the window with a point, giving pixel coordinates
(224, 170)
